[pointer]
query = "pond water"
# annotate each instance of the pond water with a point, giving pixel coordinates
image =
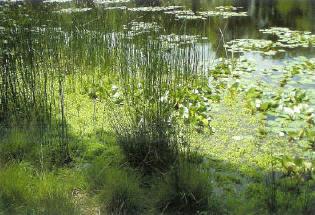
(210, 24)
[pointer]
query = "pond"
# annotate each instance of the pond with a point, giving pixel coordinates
(211, 25)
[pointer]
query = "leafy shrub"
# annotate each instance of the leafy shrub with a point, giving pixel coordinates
(121, 194)
(186, 190)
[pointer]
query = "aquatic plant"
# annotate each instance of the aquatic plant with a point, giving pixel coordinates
(289, 38)
(262, 46)
(180, 40)
(110, 1)
(224, 11)
(154, 9)
(56, 1)
(73, 10)
(138, 28)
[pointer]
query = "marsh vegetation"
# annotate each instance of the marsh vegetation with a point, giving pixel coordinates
(157, 107)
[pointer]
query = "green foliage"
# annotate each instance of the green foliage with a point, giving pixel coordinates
(186, 190)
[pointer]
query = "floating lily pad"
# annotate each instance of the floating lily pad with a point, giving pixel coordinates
(225, 12)
(291, 39)
(73, 10)
(57, 1)
(251, 45)
(174, 39)
(110, 1)
(154, 9)
(137, 28)
(116, 8)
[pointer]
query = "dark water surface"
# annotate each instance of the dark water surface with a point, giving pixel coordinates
(214, 31)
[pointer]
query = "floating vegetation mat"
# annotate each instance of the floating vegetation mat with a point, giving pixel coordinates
(251, 45)
(11, 1)
(286, 38)
(138, 28)
(177, 40)
(57, 1)
(73, 10)
(116, 8)
(224, 11)
(291, 39)
(110, 1)
(287, 106)
(154, 9)
(184, 14)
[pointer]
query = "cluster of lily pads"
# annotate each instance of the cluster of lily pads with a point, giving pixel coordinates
(225, 12)
(287, 108)
(286, 38)
(57, 1)
(73, 10)
(138, 28)
(116, 8)
(251, 45)
(184, 14)
(180, 14)
(110, 1)
(291, 39)
(154, 9)
(179, 40)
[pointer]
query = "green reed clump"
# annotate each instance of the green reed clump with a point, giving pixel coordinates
(146, 126)
(186, 190)
(16, 185)
(121, 193)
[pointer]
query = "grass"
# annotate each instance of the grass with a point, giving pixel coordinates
(25, 192)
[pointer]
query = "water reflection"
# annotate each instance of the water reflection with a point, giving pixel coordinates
(296, 15)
